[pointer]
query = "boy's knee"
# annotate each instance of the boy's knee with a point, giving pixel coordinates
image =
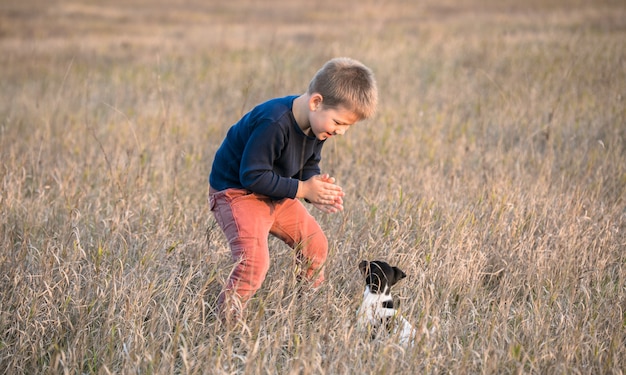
(313, 253)
(254, 272)
(252, 263)
(320, 246)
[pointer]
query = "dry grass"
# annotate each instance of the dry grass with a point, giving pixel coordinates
(494, 175)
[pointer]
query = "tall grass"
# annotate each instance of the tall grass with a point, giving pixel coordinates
(494, 175)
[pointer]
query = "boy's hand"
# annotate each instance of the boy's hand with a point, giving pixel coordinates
(329, 209)
(335, 206)
(322, 192)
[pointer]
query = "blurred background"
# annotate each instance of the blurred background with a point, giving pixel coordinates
(494, 175)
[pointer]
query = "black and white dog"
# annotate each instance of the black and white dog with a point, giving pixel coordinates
(377, 313)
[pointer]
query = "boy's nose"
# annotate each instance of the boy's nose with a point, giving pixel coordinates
(339, 131)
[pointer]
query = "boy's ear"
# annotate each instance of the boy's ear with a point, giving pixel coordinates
(315, 101)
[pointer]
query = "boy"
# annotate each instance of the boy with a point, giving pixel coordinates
(268, 160)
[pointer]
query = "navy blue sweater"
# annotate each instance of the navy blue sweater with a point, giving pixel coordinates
(266, 152)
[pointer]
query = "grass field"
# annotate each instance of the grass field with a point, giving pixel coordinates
(494, 175)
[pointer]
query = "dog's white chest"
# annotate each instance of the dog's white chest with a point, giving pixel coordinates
(373, 314)
(372, 311)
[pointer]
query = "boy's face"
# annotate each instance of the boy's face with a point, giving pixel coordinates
(328, 121)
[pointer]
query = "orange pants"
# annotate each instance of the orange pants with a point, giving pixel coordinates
(247, 219)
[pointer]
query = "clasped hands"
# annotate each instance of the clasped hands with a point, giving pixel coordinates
(322, 192)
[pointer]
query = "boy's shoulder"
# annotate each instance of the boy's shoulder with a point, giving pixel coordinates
(276, 106)
(272, 111)
(276, 111)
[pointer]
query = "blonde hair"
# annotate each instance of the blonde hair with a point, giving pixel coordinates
(346, 82)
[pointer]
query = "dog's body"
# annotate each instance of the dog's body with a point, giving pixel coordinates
(377, 312)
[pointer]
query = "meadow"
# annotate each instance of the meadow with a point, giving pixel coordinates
(494, 175)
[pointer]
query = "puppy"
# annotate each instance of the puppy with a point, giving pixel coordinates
(377, 312)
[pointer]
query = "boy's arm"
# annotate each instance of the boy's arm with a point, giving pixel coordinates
(256, 170)
(312, 166)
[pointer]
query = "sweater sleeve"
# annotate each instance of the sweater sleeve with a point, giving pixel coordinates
(256, 172)
(312, 166)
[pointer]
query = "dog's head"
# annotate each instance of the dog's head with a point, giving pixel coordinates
(380, 276)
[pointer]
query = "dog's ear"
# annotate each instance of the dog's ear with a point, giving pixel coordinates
(363, 266)
(398, 273)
